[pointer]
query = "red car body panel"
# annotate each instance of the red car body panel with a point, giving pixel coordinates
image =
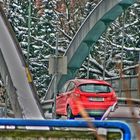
(90, 101)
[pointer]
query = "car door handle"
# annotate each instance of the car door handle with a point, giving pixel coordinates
(68, 94)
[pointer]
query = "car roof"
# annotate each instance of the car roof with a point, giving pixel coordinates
(86, 81)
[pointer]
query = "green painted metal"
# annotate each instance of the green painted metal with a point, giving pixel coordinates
(92, 37)
(95, 32)
(126, 3)
(79, 56)
(112, 14)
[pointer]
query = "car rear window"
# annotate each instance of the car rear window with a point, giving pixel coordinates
(97, 88)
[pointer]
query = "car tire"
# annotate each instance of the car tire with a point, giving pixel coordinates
(69, 113)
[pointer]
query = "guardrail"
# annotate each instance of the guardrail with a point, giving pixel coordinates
(131, 82)
(69, 123)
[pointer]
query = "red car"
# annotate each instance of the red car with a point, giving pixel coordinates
(94, 96)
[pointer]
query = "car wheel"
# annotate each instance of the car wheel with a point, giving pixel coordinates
(69, 113)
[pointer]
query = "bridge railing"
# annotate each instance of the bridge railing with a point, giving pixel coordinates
(126, 84)
(125, 129)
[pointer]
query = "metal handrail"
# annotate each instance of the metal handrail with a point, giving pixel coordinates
(70, 123)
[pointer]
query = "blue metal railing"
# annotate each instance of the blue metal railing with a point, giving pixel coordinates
(70, 123)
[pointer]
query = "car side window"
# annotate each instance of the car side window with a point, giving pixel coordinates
(64, 88)
(71, 86)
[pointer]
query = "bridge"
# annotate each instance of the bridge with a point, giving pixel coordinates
(14, 70)
(95, 24)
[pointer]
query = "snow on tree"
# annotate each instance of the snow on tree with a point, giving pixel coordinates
(113, 45)
(65, 18)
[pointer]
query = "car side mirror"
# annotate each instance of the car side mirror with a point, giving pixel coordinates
(58, 93)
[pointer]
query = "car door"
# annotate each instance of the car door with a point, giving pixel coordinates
(60, 100)
(68, 92)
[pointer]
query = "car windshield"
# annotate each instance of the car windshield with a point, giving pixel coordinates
(97, 88)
